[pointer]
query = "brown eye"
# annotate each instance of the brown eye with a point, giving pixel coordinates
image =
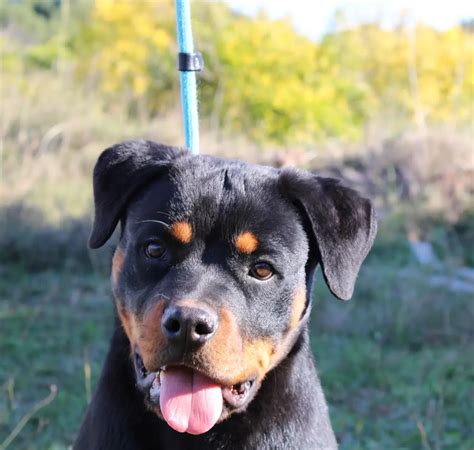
(154, 249)
(262, 271)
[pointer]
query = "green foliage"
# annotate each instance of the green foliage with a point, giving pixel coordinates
(262, 79)
(130, 47)
(44, 56)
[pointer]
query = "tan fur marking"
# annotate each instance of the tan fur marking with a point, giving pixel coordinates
(227, 357)
(182, 231)
(223, 352)
(246, 242)
(129, 325)
(232, 359)
(146, 333)
(258, 357)
(117, 264)
(297, 308)
(282, 349)
(151, 339)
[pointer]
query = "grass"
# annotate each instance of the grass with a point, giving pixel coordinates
(52, 323)
(395, 362)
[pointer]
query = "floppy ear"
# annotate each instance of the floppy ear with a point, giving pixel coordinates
(343, 225)
(118, 173)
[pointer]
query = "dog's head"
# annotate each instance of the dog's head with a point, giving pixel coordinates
(213, 270)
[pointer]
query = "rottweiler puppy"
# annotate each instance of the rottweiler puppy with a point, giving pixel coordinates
(212, 284)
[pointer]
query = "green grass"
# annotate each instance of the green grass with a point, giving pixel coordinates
(395, 362)
(388, 397)
(51, 324)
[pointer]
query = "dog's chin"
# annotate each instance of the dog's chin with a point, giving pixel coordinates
(235, 398)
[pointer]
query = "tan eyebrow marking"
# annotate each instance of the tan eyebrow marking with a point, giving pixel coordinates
(182, 231)
(246, 242)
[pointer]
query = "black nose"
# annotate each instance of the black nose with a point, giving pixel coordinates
(188, 325)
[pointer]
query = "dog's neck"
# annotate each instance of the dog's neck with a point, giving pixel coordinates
(289, 411)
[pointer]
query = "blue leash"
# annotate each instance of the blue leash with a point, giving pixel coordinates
(189, 62)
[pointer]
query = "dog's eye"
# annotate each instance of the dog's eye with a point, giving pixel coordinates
(261, 271)
(154, 249)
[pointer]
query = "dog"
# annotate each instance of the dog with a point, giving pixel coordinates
(211, 280)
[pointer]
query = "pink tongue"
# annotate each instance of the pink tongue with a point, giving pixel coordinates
(189, 401)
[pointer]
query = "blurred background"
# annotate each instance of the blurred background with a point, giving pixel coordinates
(379, 94)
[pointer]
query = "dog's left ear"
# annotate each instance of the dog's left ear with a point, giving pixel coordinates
(343, 225)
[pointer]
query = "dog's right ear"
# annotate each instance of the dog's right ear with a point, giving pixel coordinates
(118, 173)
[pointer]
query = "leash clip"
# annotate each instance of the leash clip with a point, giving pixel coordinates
(190, 62)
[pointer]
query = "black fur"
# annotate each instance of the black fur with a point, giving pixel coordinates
(119, 172)
(343, 223)
(300, 220)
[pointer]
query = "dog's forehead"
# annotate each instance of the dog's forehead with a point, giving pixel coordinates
(210, 192)
(214, 182)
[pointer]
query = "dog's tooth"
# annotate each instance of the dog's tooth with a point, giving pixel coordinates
(155, 391)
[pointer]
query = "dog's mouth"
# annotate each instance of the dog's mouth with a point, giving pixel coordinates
(188, 400)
